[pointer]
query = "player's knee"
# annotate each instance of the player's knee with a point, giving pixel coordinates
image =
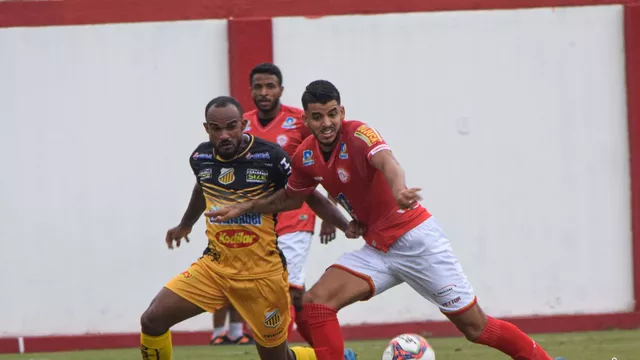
(152, 324)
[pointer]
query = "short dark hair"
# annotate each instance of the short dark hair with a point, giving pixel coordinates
(320, 92)
(223, 101)
(266, 68)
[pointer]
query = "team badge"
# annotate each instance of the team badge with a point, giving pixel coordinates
(226, 176)
(282, 140)
(343, 175)
(307, 158)
(272, 318)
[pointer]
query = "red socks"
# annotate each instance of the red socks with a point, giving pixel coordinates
(324, 329)
(292, 311)
(507, 338)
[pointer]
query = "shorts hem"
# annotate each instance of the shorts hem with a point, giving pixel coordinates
(461, 310)
(275, 344)
(364, 277)
(203, 308)
(297, 287)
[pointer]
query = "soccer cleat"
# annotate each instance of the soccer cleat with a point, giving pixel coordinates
(221, 340)
(245, 339)
(350, 354)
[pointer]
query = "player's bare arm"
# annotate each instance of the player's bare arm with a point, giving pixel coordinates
(196, 207)
(385, 162)
(327, 211)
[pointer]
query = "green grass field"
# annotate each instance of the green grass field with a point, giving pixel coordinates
(606, 345)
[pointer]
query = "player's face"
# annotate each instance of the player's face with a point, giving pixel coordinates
(324, 121)
(266, 91)
(224, 126)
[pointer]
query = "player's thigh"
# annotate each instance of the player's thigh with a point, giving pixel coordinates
(424, 259)
(199, 286)
(264, 305)
(295, 246)
(166, 310)
(357, 275)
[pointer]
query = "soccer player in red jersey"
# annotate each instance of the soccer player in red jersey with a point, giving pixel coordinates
(284, 125)
(404, 243)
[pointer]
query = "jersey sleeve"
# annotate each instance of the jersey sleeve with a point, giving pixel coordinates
(282, 163)
(300, 181)
(370, 139)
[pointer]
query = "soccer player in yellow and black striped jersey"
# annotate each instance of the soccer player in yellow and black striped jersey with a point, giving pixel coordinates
(242, 264)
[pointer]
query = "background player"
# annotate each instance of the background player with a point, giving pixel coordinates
(284, 125)
(242, 264)
(404, 243)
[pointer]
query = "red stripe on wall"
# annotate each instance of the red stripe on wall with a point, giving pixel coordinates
(76, 12)
(429, 329)
(250, 43)
(632, 50)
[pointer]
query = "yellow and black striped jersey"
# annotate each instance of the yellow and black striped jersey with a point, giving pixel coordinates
(244, 247)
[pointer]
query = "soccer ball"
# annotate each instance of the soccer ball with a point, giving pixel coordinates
(408, 346)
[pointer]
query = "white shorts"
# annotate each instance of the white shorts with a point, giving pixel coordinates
(295, 246)
(424, 259)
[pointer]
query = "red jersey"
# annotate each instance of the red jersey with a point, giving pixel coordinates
(360, 188)
(287, 130)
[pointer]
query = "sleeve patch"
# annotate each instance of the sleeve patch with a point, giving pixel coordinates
(367, 134)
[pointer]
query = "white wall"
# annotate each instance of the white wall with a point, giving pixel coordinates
(513, 123)
(97, 125)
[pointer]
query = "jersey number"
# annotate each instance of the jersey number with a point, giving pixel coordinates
(342, 200)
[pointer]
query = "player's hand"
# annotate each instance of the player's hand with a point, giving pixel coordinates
(355, 230)
(327, 232)
(177, 234)
(408, 198)
(226, 212)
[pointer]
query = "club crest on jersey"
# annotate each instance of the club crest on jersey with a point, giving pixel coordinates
(307, 158)
(272, 318)
(343, 151)
(367, 134)
(289, 123)
(343, 175)
(282, 140)
(226, 176)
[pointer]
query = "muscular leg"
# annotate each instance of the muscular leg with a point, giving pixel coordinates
(500, 335)
(166, 310)
(336, 289)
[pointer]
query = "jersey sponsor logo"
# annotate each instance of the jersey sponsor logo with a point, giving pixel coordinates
(205, 174)
(282, 140)
(445, 290)
(307, 158)
(257, 176)
(367, 134)
(227, 176)
(259, 156)
(272, 318)
(236, 238)
(186, 274)
(254, 219)
(343, 151)
(198, 156)
(318, 178)
(289, 123)
(343, 175)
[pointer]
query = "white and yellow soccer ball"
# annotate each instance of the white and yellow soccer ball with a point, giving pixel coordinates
(408, 347)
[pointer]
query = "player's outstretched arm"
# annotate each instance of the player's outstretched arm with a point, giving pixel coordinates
(196, 207)
(385, 161)
(279, 201)
(327, 211)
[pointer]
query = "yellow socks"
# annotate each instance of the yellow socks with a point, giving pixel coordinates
(157, 347)
(304, 353)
